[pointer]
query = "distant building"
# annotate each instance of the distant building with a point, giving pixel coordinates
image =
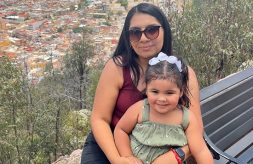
(14, 19)
(35, 25)
(2, 24)
(97, 15)
(10, 55)
(116, 8)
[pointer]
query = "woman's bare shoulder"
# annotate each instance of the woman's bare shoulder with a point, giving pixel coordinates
(191, 72)
(111, 64)
(113, 72)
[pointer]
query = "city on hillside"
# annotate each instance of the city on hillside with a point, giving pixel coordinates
(36, 32)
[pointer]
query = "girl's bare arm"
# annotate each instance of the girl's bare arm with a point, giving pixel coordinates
(124, 127)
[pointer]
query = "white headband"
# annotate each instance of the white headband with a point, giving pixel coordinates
(163, 57)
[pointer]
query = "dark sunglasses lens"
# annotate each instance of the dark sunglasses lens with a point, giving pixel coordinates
(135, 35)
(152, 32)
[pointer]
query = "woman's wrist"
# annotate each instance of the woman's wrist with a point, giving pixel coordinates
(187, 152)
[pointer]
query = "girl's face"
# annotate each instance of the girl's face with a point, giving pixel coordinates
(163, 95)
(150, 42)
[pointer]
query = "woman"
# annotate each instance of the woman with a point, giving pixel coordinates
(146, 32)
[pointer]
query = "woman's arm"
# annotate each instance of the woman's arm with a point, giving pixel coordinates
(194, 97)
(107, 91)
(196, 142)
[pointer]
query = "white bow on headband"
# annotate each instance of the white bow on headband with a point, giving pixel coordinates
(162, 57)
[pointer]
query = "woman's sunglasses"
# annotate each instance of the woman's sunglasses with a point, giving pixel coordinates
(151, 32)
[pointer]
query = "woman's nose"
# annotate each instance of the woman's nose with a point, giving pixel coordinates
(143, 37)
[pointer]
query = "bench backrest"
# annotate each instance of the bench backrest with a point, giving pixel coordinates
(227, 109)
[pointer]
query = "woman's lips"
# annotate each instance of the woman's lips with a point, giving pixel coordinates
(145, 48)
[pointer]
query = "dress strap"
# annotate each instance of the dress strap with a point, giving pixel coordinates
(145, 111)
(185, 121)
(126, 74)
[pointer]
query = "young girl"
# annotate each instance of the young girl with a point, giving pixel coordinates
(161, 121)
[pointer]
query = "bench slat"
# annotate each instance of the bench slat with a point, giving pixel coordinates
(230, 98)
(230, 124)
(240, 145)
(222, 120)
(247, 155)
(224, 94)
(234, 136)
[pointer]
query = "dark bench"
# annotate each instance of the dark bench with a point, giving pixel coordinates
(227, 112)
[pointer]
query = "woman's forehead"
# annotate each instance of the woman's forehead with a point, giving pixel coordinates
(141, 20)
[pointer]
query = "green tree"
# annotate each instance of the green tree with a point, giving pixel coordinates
(123, 3)
(94, 75)
(83, 3)
(51, 109)
(76, 69)
(215, 37)
(12, 102)
(60, 29)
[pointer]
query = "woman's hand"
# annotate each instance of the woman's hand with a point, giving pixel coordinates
(134, 160)
(127, 160)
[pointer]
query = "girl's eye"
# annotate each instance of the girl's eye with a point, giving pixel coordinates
(169, 93)
(154, 91)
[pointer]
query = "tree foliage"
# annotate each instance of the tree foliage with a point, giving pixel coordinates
(123, 3)
(76, 69)
(12, 106)
(41, 122)
(215, 37)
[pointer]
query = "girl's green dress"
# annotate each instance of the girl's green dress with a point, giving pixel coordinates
(149, 140)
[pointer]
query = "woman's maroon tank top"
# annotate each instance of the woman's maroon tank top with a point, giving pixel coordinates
(127, 96)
